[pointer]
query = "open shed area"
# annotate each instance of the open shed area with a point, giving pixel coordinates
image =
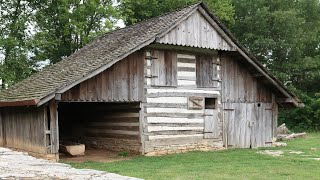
(107, 126)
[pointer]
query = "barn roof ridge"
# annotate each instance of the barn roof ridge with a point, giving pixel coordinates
(106, 50)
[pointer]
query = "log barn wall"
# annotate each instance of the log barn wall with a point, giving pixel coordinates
(122, 82)
(250, 111)
(111, 126)
(169, 126)
(25, 128)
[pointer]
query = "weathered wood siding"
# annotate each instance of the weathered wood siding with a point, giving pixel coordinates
(1, 128)
(122, 82)
(24, 128)
(248, 124)
(195, 31)
(112, 126)
(167, 120)
(250, 111)
(239, 85)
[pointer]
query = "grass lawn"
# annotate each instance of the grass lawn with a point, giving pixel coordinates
(229, 164)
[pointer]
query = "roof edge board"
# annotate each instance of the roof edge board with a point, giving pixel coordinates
(32, 102)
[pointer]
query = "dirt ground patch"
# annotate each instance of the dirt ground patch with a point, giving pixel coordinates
(96, 155)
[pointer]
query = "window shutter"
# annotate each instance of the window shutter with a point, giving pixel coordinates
(207, 74)
(164, 68)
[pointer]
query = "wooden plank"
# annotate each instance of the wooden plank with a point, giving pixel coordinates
(172, 110)
(174, 136)
(2, 127)
(54, 127)
(180, 94)
(158, 120)
(112, 124)
(183, 100)
(176, 115)
(274, 117)
(168, 128)
(108, 131)
(142, 125)
(211, 124)
(166, 105)
(184, 90)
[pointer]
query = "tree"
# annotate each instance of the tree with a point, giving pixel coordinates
(14, 41)
(284, 35)
(139, 10)
(65, 26)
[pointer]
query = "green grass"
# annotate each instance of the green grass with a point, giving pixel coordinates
(229, 164)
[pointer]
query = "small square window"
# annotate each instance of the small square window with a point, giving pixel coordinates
(210, 103)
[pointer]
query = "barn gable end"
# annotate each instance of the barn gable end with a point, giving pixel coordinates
(196, 31)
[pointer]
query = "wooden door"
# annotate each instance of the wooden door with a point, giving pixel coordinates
(211, 124)
(237, 125)
(248, 124)
(262, 124)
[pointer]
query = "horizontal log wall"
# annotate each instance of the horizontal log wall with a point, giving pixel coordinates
(122, 82)
(112, 126)
(239, 85)
(167, 120)
(24, 128)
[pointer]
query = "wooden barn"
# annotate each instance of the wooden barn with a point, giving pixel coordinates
(174, 83)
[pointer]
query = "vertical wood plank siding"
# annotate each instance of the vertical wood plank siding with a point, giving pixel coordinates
(2, 142)
(24, 128)
(195, 31)
(249, 107)
(54, 127)
(122, 82)
(239, 85)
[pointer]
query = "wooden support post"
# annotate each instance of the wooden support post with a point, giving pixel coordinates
(54, 127)
(1, 128)
(275, 112)
(141, 129)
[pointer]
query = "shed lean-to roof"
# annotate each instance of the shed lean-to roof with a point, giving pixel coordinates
(105, 51)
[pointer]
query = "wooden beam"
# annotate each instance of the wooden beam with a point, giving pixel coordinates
(32, 102)
(284, 100)
(182, 49)
(57, 97)
(54, 127)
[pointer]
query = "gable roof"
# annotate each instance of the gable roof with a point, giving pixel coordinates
(110, 48)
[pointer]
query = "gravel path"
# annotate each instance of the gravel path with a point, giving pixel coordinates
(19, 165)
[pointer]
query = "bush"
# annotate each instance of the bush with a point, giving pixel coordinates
(303, 119)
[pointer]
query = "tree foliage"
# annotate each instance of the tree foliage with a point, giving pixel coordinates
(285, 36)
(14, 41)
(139, 10)
(67, 25)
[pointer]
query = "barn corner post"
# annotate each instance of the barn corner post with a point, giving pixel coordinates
(2, 143)
(275, 112)
(54, 129)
